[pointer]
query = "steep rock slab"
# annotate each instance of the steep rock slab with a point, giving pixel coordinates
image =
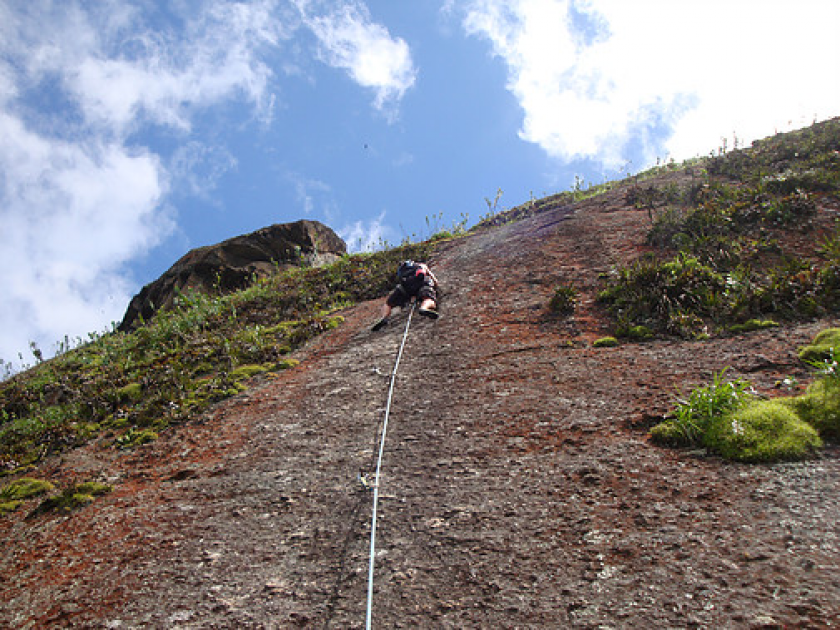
(232, 264)
(518, 488)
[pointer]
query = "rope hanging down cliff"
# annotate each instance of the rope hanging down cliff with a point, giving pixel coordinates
(379, 469)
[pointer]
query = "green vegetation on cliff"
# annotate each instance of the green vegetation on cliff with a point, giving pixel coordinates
(740, 241)
(729, 419)
(127, 387)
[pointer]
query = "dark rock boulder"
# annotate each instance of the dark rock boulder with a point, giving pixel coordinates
(232, 264)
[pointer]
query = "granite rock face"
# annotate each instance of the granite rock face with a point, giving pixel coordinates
(232, 264)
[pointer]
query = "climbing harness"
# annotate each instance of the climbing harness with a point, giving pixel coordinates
(379, 468)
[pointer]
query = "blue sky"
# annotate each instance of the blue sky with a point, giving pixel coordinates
(131, 132)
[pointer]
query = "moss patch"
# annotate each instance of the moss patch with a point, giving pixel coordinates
(670, 433)
(9, 506)
(247, 371)
(824, 343)
(638, 333)
(13, 495)
(819, 406)
(753, 324)
(605, 342)
(762, 431)
(74, 497)
(130, 393)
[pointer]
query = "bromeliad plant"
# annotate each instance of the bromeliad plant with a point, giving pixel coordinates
(696, 412)
(564, 300)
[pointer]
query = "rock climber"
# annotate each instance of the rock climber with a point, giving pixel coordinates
(416, 281)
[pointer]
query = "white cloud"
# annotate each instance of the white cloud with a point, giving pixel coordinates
(603, 78)
(366, 50)
(72, 215)
(78, 197)
(195, 169)
(366, 237)
(166, 78)
(311, 192)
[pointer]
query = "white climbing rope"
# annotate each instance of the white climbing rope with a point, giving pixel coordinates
(378, 469)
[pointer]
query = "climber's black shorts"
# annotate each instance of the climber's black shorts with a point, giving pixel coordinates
(400, 298)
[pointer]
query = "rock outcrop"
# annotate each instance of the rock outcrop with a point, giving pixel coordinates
(232, 264)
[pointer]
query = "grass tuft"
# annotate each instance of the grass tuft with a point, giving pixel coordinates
(13, 494)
